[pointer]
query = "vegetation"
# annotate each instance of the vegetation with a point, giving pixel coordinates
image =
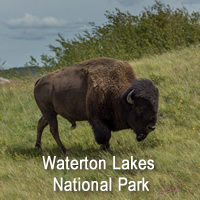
(23, 72)
(174, 145)
(156, 30)
(2, 64)
(145, 41)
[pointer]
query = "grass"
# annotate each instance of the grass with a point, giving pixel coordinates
(174, 145)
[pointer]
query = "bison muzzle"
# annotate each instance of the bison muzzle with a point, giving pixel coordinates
(103, 91)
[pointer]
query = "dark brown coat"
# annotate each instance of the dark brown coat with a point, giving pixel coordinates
(95, 90)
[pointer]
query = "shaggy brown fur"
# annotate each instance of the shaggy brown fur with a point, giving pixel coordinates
(94, 90)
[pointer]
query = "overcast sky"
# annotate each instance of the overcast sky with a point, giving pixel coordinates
(27, 27)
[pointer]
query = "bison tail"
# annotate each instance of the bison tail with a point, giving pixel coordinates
(73, 126)
(37, 82)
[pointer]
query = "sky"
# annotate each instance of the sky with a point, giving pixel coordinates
(27, 27)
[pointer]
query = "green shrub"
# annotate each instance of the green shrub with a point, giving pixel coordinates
(156, 30)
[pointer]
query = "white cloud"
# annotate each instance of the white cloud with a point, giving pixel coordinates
(31, 21)
(31, 27)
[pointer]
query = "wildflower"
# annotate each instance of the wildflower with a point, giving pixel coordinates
(181, 101)
(193, 128)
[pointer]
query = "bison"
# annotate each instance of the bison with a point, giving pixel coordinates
(103, 91)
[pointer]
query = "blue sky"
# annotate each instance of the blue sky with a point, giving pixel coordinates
(27, 27)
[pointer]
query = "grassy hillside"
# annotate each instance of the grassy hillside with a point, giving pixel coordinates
(174, 145)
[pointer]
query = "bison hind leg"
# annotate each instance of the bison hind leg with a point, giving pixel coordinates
(53, 123)
(42, 123)
(50, 116)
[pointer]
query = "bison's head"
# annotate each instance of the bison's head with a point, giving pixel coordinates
(141, 106)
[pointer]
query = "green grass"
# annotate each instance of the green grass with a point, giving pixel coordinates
(174, 145)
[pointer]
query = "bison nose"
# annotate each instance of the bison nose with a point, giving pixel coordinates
(141, 137)
(152, 128)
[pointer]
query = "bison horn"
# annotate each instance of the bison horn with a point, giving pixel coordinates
(129, 99)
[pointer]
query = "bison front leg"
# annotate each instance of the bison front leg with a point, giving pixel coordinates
(102, 133)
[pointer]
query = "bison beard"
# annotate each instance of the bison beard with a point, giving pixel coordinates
(103, 91)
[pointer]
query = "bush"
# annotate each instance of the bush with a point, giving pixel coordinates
(156, 30)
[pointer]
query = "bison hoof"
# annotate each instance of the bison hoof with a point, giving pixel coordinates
(65, 151)
(105, 147)
(39, 146)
